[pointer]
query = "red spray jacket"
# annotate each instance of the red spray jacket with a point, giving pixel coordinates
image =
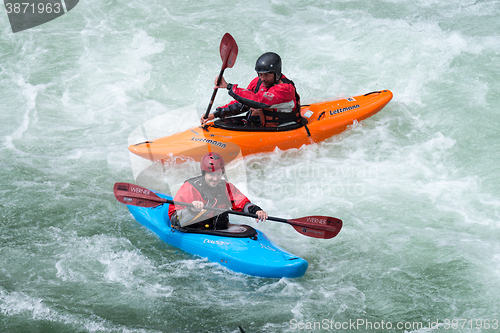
(232, 198)
(281, 96)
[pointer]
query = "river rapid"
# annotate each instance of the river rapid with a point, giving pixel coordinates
(417, 185)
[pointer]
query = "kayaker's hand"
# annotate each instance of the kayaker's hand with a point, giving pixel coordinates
(223, 83)
(262, 216)
(198, 205)
(203, 121)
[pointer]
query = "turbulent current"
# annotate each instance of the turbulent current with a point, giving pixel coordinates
(417, 185)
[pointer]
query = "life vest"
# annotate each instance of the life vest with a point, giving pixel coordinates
(215, 197)
(273, 118)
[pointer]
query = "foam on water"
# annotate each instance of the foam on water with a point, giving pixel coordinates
(416, 185)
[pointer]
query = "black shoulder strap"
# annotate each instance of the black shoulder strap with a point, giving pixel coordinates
(198, 184)
(258, 86)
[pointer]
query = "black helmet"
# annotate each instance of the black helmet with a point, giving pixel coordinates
(269, 62)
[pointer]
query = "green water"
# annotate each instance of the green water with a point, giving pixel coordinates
(417, 185)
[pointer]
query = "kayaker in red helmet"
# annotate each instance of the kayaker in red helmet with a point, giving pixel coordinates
(271, 97)
(210, 189)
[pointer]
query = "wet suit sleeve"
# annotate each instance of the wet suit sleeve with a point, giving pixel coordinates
(239, 201)
(276, 96)
(231, 109)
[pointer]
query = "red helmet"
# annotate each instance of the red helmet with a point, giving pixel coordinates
(212, 162)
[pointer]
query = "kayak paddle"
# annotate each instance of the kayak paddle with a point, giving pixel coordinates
(324, 227)
(228, 52)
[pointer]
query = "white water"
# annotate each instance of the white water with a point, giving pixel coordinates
(416, 185)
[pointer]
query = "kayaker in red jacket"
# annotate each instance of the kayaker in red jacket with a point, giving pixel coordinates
(210, 189)
(271, 97)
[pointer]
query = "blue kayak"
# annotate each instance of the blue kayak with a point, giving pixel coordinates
(240, 248)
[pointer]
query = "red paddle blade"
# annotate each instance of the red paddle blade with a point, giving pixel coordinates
(315, 233)
(317, 226)
(130, 194)
(228, 51)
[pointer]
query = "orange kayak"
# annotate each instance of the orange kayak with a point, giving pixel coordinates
(231, 137)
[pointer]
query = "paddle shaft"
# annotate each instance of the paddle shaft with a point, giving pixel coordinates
(153, 197)
(219, 79)
(234, 212)
(271, 218)
(220, 210)
(312, 226)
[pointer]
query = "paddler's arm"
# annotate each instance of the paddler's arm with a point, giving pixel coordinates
(231, 109)
(254, 209)
(223, 112)
(188, 215)
(204, 120)
(274, 97)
